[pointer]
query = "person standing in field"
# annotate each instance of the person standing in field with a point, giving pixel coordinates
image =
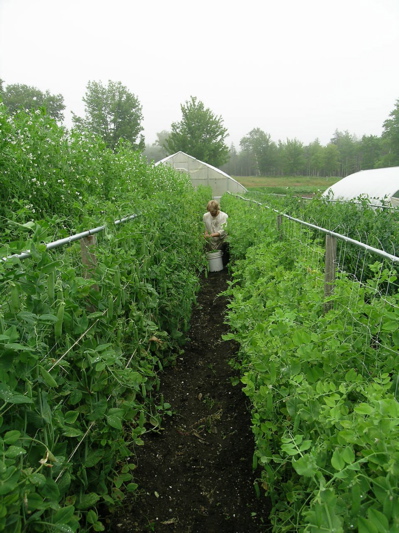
(215, 222)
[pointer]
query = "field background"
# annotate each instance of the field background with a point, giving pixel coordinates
(279, 184)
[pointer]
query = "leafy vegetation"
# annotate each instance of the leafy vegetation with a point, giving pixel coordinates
(343, 155)
(200, 133)
(113, 113)
(19, 97)
(323, 385)
(82, 346)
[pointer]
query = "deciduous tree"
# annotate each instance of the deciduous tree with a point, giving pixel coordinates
(348, 146)
(113, 113)
(330, 160)
(200, 133)
(156, 151)
(370, 151)
(261, 149)
(391, 137)
(292, 157)
(19, 97)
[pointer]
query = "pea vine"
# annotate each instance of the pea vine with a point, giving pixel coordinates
(82, 349)
(323, 386)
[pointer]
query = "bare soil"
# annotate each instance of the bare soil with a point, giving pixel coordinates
(195, 475)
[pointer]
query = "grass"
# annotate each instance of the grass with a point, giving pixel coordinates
(279, 185)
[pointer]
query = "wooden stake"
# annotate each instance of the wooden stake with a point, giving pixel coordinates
(329, 276)
(280, 226)
(89, 259)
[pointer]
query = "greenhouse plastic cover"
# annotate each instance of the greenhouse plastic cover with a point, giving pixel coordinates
(203, 174)
(377, 184)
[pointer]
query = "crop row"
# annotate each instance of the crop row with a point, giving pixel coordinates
(323, 385)
(82, 347)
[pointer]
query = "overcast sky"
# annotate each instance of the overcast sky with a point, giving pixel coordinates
(294, 68)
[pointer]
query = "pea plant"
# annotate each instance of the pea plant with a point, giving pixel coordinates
(323, 385)
(82, 349)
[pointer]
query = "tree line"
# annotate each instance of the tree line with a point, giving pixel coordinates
(114, 113)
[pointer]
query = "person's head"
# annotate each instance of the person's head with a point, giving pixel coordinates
(213, 207)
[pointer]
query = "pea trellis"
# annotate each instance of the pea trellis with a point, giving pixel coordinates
(330, 246)
(88, 240)
(323, 386)
(86, 237)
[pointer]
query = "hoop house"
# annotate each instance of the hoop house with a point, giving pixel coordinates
(380, 185)
(203, 174)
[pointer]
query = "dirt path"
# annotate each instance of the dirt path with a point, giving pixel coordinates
(196, 475)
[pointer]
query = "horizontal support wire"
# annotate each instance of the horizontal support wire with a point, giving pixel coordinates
(68, 240)
(371, 249)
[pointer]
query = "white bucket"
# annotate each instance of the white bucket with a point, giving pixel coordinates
(215, 260)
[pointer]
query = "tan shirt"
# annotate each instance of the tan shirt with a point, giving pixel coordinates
(216, 225)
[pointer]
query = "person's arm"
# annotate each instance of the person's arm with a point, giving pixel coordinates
(207, 227)
(222, 232)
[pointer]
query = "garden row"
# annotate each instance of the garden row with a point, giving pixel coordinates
(81, 351)
(323, 385)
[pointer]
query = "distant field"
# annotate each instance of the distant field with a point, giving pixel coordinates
(279, 185)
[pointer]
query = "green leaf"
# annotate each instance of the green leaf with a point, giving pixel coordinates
(365, 526)
(50, 266)
(48, 318)
(300, 337)
(337, 460)
(379, 520)
(351, 376)
(7, 486)
(27, 317)
(63, 528)
(114, 421)
(64, 483)
(131, 487)
(16, 399)
(92, 517)
(63, 515)
(16, 347)
(47, 377)
(93, 458)
(37, 479)
(98, 410)
(50, 490)
(75, 397)
(71, 417)
(306, 444)
(36, 502)
(72, 432)
(15, 451)
(97, 314)
(348, 455)
(121, 479)
(364, 409)
(395, 338)
(389, 325)
(305, 466)
(88, 500)
(11, 436)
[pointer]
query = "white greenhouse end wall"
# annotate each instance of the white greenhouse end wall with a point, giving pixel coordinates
(203, 174)
(379, 184)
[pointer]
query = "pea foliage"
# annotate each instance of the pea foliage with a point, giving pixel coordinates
(82, 349)
(323, 385)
